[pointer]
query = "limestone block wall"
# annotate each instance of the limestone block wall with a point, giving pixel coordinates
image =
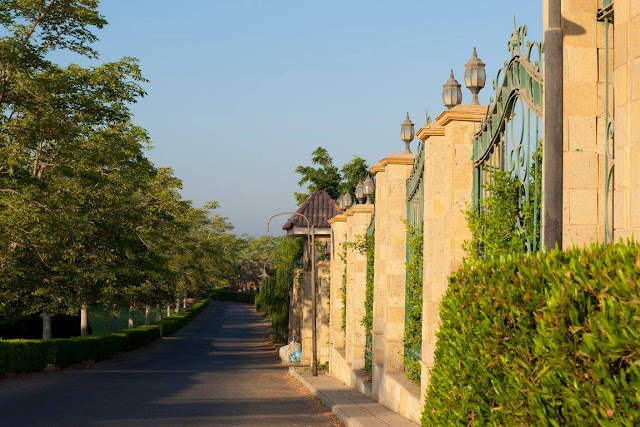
(389, 264)
(448, 191)
(305, 301)
(339, 236)
(584, 122)
(627, 118)
(358, 220)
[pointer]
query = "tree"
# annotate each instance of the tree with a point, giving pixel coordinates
(353, 172)
(326, 176)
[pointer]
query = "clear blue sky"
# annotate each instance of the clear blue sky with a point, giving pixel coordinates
(241, 91)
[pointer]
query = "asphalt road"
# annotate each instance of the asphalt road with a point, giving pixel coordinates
(219, 370)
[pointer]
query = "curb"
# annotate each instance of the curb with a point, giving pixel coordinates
(348, 420)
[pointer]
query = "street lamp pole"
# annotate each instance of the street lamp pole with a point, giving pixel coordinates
(312, 252)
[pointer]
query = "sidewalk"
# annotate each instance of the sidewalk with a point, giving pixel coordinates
(353, 408)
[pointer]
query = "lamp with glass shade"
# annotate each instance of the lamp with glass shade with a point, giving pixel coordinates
(451, 93)
(407, 132)
(475, 76)
(369, 188)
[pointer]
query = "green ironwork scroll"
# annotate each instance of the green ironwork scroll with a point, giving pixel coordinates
(606, 15)
(413, 297)
(368, 301)
(509, 137)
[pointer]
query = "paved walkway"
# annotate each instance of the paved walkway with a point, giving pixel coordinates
(219, 370)
(352, 407)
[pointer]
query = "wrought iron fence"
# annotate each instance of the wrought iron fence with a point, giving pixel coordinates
(606, 15)
(415, 221)
(510, 136)
(368, 349)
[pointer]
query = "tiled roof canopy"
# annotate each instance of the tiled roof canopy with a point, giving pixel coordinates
(319, 207)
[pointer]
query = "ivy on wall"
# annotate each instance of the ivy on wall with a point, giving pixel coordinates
(343, 257)
(367, 320)
(413, 304)
(494, 227)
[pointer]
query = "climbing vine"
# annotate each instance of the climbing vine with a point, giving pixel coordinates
(495, 226)
(367, 320)
(413, 304)
(343, 257)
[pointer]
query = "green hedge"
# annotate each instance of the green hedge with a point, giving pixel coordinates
(549, 339)
(233, 296)
(34, 355)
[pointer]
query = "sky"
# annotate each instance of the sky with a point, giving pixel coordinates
(240, 92)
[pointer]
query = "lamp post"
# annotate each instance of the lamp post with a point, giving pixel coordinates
(360, 192)
(451, 93)
(263, 276)
(312, 251)
(369, 188)
(407, 132)
(347, 200)
(475, 76)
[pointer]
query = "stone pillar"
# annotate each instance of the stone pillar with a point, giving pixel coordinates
(626, 64)
(322, 313)
(358, 220)
(338, 367)
(338, 233)
(448, 193)
(389, 264)
(583, 122)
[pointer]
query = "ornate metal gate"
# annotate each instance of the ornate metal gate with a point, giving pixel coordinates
(370, 244)
(415, 222)
(606, 15)
(509, 138)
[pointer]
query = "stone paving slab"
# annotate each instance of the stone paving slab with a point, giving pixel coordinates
(349, 405)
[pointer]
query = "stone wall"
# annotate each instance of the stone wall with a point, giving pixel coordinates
(627, 118)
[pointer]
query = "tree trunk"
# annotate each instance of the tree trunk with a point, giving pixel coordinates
(178, 305)
(84, 325)
(168, 310)
(147, 315)
(130, 325)
(114, 323)
(184, 302)
(46, 325)
(158, 314)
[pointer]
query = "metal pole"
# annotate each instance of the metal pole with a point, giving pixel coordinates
(312, 253)
(552, 169)
(314, 351)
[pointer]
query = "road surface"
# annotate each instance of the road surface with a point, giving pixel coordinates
(218, 370)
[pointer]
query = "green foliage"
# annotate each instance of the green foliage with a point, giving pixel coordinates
(23, 355)
(326, 176)
(367, 320)
(413, 304)
(85, 218)
(545, 339)
(353, 173)
(233, 296)
(500, 226)
(34, 355)
(273, 298)
(343, 258)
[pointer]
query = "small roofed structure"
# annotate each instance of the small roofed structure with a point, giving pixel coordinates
(319, 207)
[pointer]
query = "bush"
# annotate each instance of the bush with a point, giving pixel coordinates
(273, 298)
(23, 355)
(546, 339)
(233, 296)
(34, 355)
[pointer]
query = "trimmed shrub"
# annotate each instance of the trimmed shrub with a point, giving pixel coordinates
(233, 296)
(34, 355)
(546, 339)
(23, 355)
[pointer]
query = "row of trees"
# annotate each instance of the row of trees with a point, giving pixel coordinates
(86, 219)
